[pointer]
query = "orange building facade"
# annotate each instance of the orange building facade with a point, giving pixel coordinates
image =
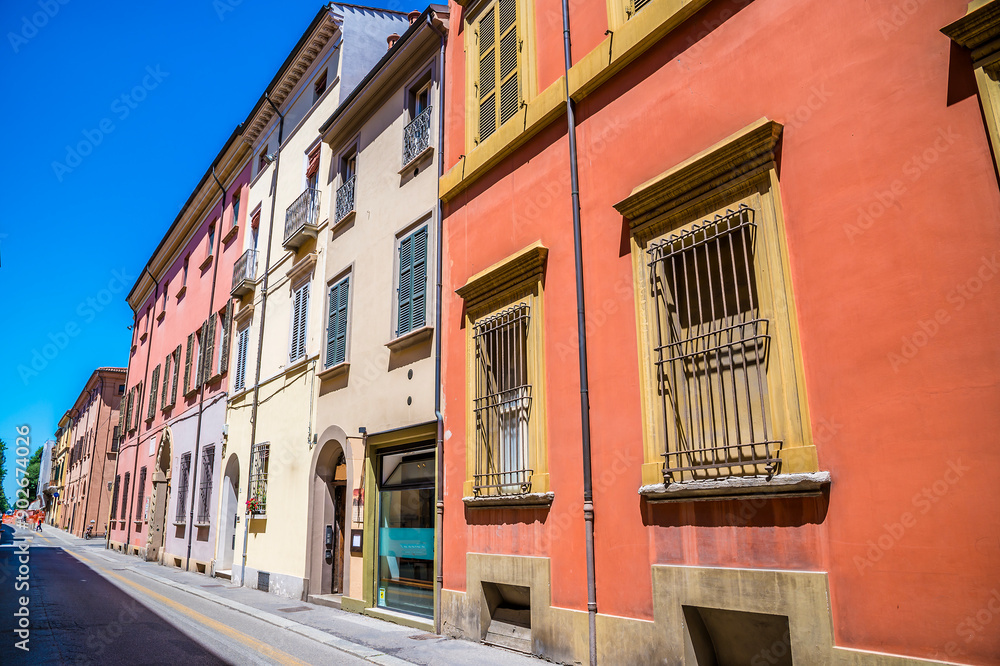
(789, 224)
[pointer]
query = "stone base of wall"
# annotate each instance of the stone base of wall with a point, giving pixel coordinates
(280, 584)
(561, 635)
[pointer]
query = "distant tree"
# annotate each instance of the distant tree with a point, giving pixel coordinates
(34, 465)
(3, 473)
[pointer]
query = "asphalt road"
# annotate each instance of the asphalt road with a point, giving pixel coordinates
(87, 608)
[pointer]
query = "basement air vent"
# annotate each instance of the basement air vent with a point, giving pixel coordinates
(264, 581)
(510, 616)
(719, 637)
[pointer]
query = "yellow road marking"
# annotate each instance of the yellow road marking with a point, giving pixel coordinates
(265, 649)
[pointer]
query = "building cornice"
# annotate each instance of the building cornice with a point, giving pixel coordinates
(978, 31)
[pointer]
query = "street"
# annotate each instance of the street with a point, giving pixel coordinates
(87, 605)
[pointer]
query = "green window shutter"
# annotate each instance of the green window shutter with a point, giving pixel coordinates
(209, 354)
(177, 373)
(300, 309)
(187, 363)
(166, 381)
(419, 307)
(412, 293)
(153, 386)
(404, 293)
(336, 332)
(227, 317)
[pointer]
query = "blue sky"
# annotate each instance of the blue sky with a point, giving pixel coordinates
(92, 179)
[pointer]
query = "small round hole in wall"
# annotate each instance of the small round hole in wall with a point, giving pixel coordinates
(416, 171)
(409, 400)
(409, 373)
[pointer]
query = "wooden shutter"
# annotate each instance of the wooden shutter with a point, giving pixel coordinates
(138, 404)
(313, 167)
(227, 317)
(497, 72)
(486, 74)
(336, 331)
(153, 386)
(412, 292)
(202, 345)
(300, 307)
(128, 409)
(404, 293)
(177, 372)
(187, 363)
(166, 381)
(208, 339)
(243, 337)
(418, 309)
(507, 59)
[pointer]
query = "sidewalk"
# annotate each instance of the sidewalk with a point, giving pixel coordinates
(370, 638)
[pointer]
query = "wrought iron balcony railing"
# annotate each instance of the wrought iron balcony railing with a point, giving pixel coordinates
(244, 273)
(345, 198)
(302, 218)
(417, 136)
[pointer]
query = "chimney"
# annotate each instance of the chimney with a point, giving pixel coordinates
(413, 16)
(391, 39)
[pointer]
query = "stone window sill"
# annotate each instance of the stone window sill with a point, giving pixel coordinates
(334, 371)
(415, 162)
(516, 500)
(205, 264)
(411, 338)
(231, 234)
(782, 485)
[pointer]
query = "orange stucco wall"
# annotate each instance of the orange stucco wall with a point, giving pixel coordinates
(891, 209)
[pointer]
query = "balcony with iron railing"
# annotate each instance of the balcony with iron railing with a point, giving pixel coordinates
(417, 138)
(302, 219)
(345, 199)
(244, 273)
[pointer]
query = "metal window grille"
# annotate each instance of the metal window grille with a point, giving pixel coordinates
(258, 476)
(345, 198)
(417, 136)
(141, 490)
(205, 488)
(711, 353)
(124, 512)
(502, 402)
(182, 488)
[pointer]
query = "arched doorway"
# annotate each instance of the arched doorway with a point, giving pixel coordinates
(228, 514)
(328, 514)
(160, 498)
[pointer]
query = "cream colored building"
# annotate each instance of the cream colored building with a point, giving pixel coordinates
(372, 478)
(278, 330)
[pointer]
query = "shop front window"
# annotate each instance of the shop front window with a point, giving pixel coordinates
(406, 532)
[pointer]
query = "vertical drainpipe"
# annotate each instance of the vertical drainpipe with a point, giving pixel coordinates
(201, 392)
(138, 407)
(439, 532)
(260, 336)
(581, 323)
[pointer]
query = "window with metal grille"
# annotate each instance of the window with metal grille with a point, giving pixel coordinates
(124, 512)
(182, 489)
(711, 351)
(411, 311)
(258, 476)
(336, 328)
(498, 70)
(140, 494)
(502, 402)
(242, 341)
(205, 488)
(300, 309)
